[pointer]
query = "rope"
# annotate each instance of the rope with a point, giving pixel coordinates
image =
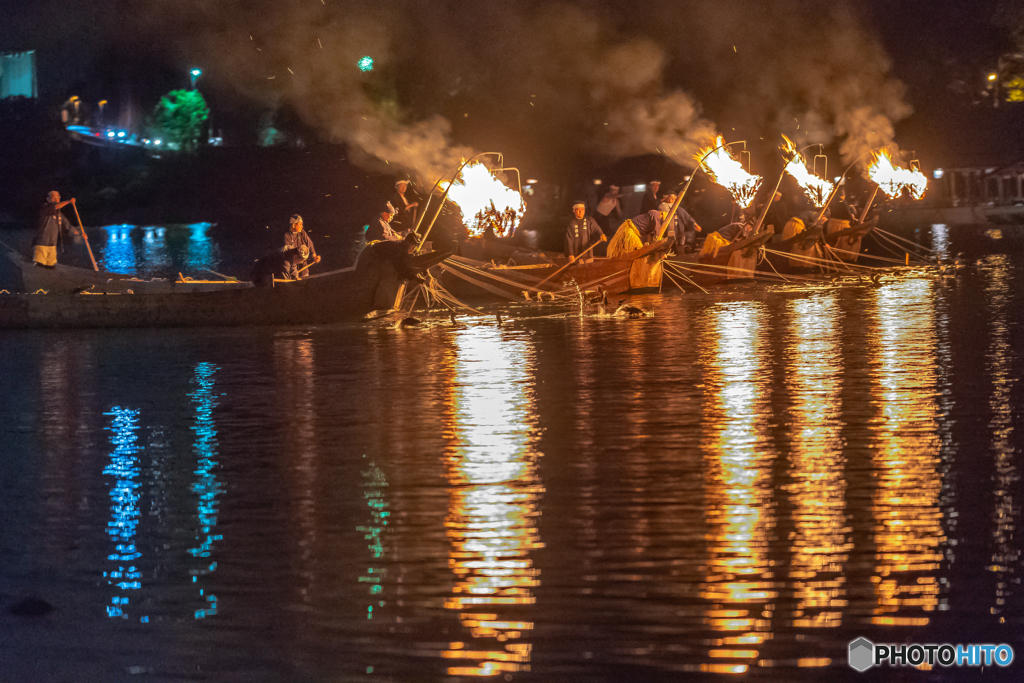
(821, 263)
(681, 274)
(916, 256)
(903, 239)
(853, 253)
(766, 260)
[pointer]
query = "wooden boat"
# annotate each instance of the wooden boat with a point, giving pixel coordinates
(26, 276)
(846, 237)
(636, 271)
(352, 293)
(501, 251)
(734, 261)
(805, 243)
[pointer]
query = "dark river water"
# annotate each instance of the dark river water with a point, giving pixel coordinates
(733, 488)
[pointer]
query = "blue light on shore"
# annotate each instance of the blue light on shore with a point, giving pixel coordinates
(365, 63)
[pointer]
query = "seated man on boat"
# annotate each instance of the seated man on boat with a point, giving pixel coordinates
(684, 227)
(381, 229)
(297, 237)
(582, 234)
(52, 225)
(402, 257)
(280, 264)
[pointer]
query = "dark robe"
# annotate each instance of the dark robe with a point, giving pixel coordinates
(732, 231)
(52, 224)
(649, 224)
(650, 202)
(580, 234)
(684, 228)
(281, 264)
(294, 240)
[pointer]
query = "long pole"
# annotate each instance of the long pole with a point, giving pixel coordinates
(85, 237)
(864, 213)
(581, 255)
(444, 196)
(679, 199)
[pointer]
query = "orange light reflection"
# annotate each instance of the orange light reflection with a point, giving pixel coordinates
(492, 519)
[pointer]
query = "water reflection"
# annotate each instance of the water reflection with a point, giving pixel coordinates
(738, 581)
(494, 502)
(906, 454)
(206, 486)
(124, 506)
(817, 487)
(374, 486)
(295, 364)
(998, 360)
(940, 240)
(148, 250)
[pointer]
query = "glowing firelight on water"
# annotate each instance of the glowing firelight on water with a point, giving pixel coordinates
(485, 200)
(892, 179)
(815, 187)
(728, 172)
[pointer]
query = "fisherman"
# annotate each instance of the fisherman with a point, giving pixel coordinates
(609, 208)
(684, 227)
(280, 264)
(650, 201)
(381, 229)
(582, 232)
(737, 230)
(405, 200)
(648, 224)
(52, 224)
(297, 237)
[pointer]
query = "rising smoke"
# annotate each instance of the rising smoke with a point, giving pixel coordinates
(582, 80)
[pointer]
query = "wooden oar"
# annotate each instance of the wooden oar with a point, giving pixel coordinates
(85, 237)
(582, 254)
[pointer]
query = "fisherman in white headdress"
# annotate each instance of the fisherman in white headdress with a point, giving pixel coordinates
(581, 233)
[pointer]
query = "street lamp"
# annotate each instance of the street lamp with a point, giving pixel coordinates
(196, 73)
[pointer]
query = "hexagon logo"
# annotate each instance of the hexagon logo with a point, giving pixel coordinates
(862, 654)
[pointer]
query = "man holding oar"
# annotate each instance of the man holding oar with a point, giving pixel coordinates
(52, 224)
(582, 234)
(295, 238)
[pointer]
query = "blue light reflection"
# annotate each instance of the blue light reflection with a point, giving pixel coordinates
(124, 505)
(206, 485)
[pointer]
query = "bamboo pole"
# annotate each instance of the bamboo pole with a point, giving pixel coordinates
(576, 259)
(85, 237)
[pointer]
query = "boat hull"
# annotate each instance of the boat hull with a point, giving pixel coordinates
(636, 271)
(338, 296)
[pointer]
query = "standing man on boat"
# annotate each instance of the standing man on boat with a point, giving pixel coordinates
(684, 227)
(297, 237)
(52, 224)
(407, 203)
(650, 201)
(381, 229)
(583, 231)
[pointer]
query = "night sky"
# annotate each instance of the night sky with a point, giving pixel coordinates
(552, 85)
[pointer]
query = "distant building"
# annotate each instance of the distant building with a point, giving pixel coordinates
(18, 74)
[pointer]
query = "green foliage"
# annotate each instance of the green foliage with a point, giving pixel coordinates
(178, 119)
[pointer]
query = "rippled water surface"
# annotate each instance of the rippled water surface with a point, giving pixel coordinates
(733, 488)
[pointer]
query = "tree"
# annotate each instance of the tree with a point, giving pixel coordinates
(178, 119)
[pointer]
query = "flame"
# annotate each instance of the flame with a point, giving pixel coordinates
(485, 200)
(728, 172)
(815, 187)
(893, 179)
